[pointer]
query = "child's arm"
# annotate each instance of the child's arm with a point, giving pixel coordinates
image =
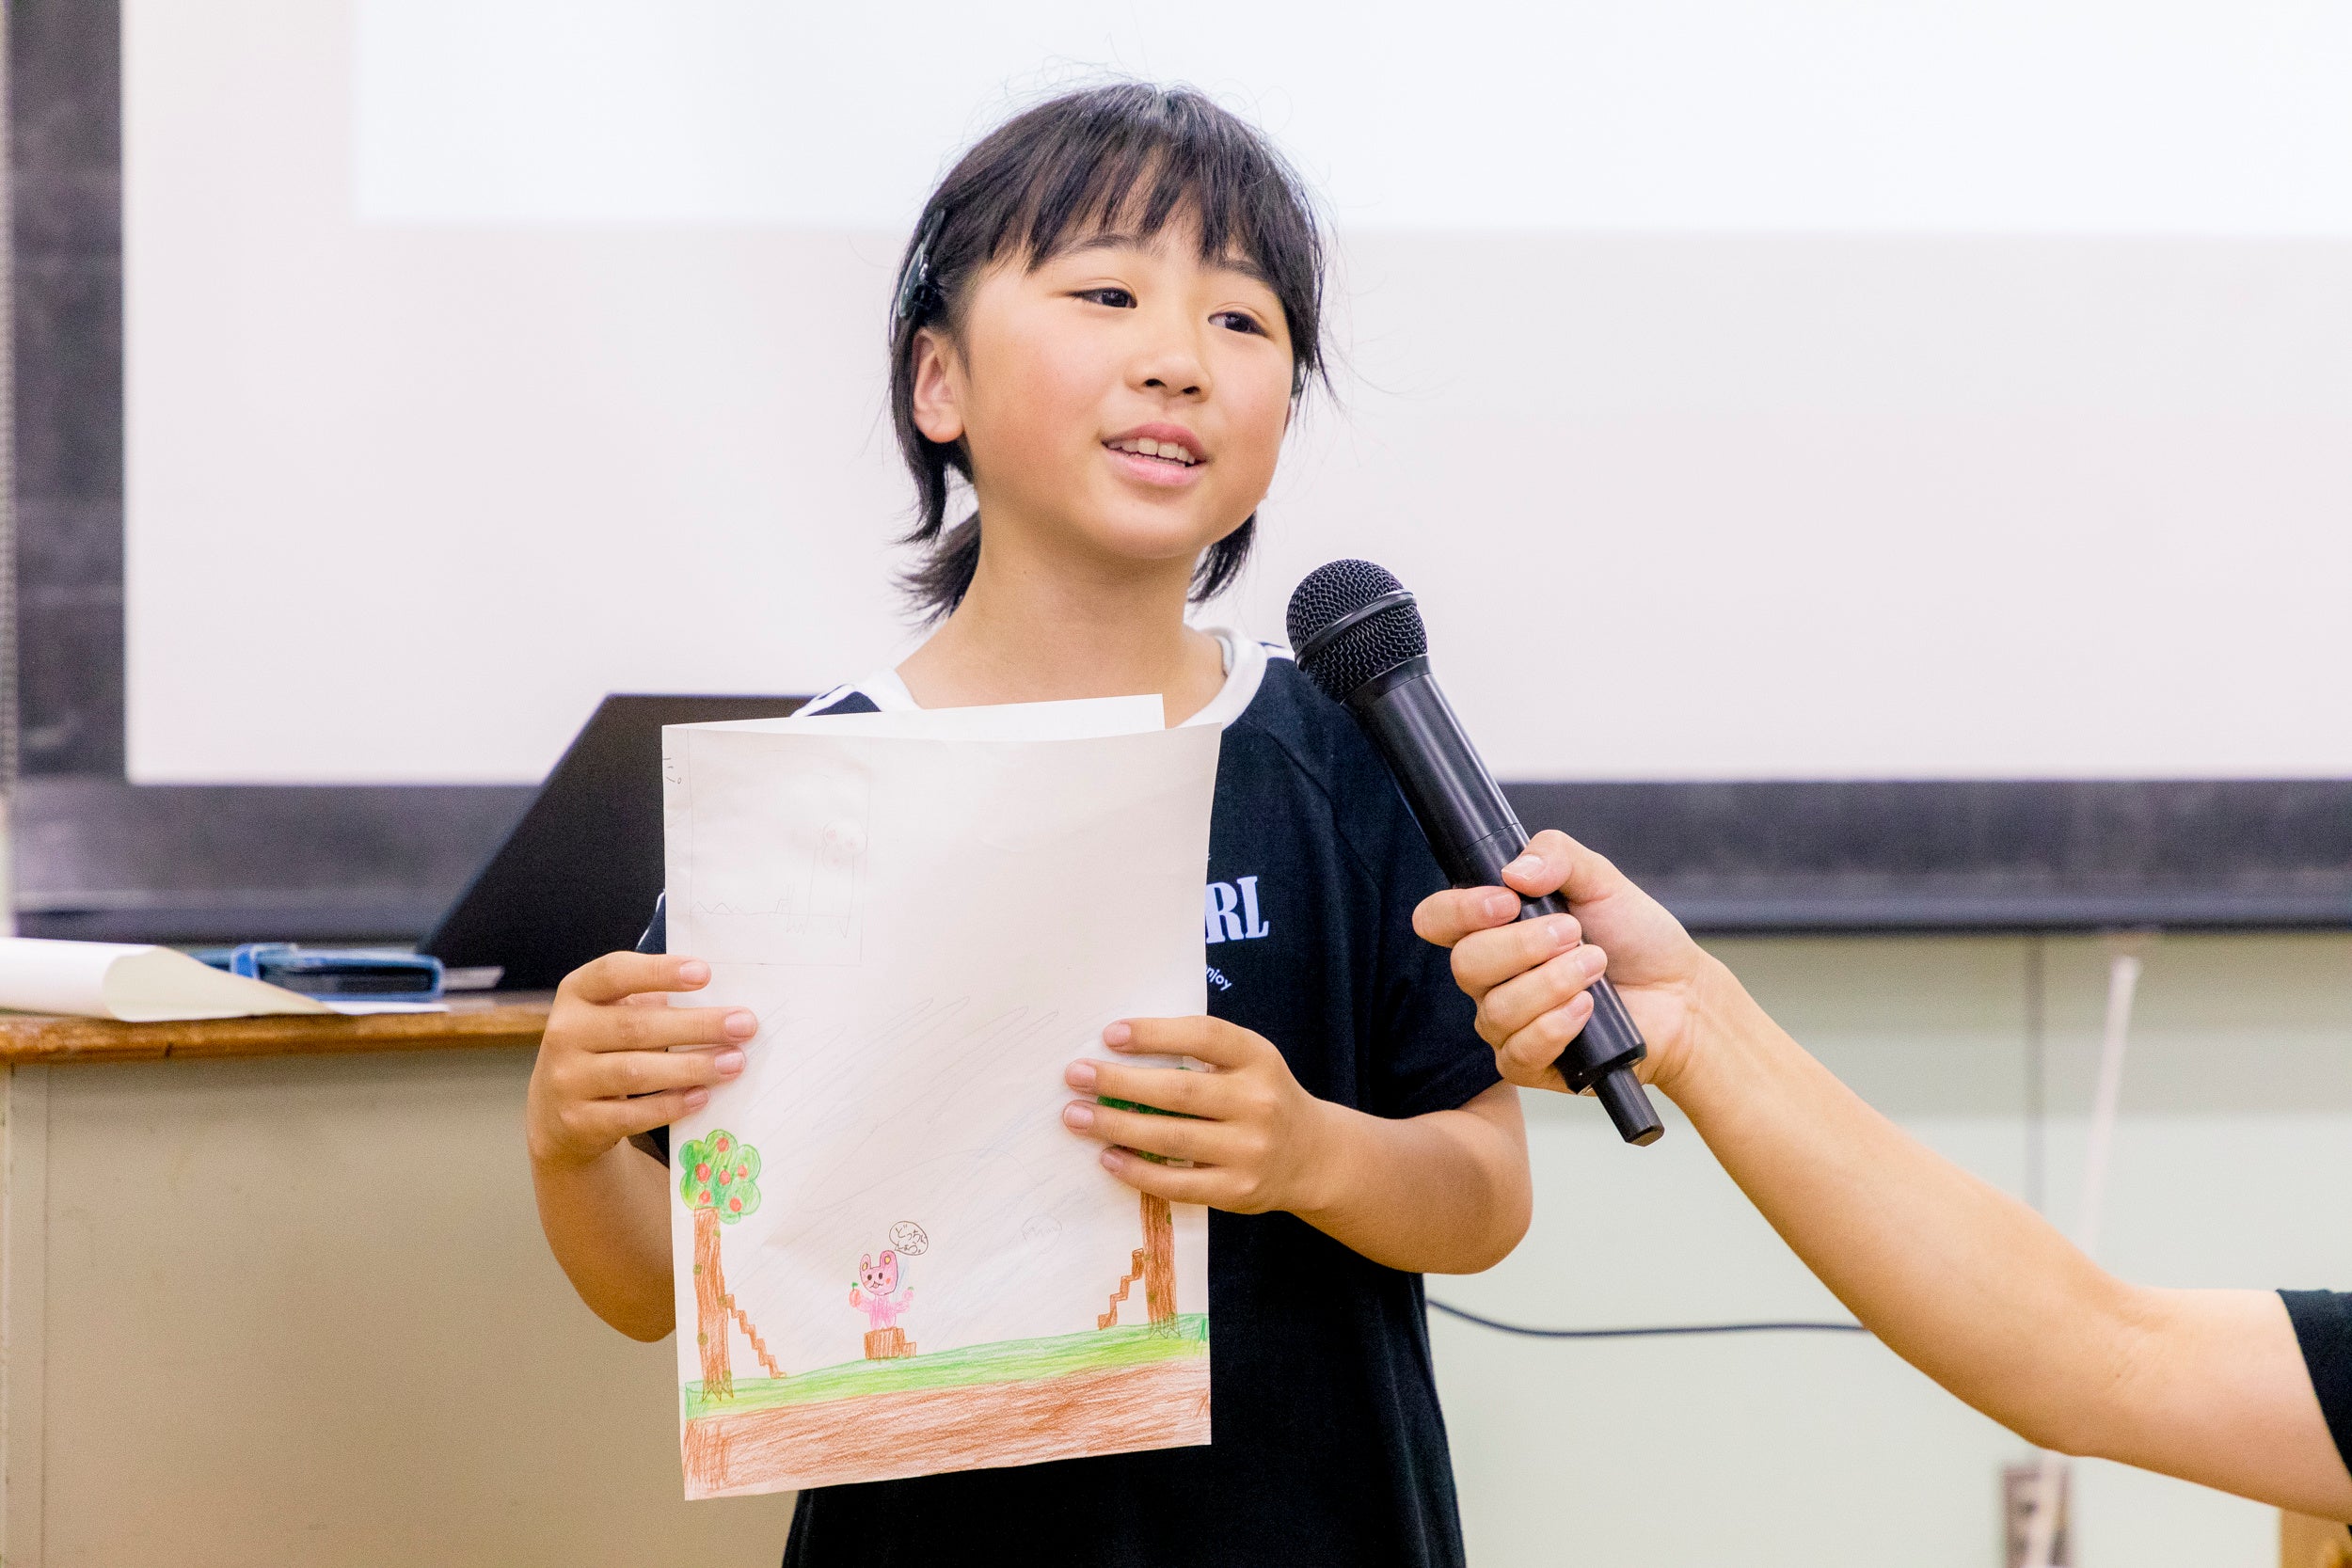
(606, 1073)
(1961, 1280)
(1444, 1193)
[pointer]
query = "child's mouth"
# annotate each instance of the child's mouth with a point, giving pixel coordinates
(1170, 453)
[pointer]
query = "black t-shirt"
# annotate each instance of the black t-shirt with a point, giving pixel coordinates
(1328, 1445)
(2323, 1327)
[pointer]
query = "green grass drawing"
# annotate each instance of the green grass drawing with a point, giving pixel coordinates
(1004, 1361)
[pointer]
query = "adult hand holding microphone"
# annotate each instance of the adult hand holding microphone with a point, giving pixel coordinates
(1359, 636)
(2248, 1391)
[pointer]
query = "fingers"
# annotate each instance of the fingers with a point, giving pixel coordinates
(1445, 918)
(627, 1028)
(1175, 1183)
(1544, 866)
(615, 1060)
(601, 1123)
(1528, 1056)
(1205, 1039)
(1170, 1137)
(578, 1088)
(627, 1074)
(1513, 1005)
(1554, 863)
(1485, 959)
(1172, 1089)
(618, 975)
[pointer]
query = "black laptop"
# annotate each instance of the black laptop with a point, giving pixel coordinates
(579, 875)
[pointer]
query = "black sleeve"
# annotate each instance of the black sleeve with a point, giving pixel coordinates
(2323, 1327)
(1428, 1054)
(655, 940)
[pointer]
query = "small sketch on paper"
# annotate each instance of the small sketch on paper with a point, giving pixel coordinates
(789, 885)
(822, 899)
(871, 1294)
(719, 1181)
(910, 1239)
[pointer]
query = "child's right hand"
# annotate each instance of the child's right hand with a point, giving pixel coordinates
(607, 1070)
(1529, 977)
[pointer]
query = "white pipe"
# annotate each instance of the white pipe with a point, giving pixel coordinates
(2124, 968)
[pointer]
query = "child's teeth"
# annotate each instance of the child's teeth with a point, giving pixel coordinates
(1145, 447)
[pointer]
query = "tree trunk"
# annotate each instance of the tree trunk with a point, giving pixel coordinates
(711, 1326)
(1159, 1262)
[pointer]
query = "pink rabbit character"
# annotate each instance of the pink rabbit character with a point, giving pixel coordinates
(872, 1290)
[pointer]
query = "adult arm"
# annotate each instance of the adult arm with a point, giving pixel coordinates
(1961, 1280)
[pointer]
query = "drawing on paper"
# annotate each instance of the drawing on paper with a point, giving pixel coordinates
(822, 901)
(1154, 1265)
(794, 896)
(922, 978)
(719, 1180)
(1137, 1378)
(884, 1340)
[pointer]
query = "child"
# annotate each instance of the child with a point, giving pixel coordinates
(1107, 313)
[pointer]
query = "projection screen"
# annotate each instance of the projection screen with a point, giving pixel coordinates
(1809, 390)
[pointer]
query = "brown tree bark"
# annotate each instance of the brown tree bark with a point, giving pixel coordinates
(711, 1317)
(1159, 1261)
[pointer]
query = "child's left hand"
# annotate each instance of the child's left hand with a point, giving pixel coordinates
(1253, 1137)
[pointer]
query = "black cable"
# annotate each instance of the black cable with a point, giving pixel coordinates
(1453, 1311)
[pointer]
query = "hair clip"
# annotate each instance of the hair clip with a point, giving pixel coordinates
(917, 296)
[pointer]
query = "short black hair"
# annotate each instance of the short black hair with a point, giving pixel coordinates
(1051, 175)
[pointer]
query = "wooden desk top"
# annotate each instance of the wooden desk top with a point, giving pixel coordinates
(492, 1018)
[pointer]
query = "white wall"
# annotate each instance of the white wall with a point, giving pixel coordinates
(299, 1312)
(1889, 391)
(1820, 1450)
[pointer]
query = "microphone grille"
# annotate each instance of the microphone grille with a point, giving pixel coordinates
(1372, 647)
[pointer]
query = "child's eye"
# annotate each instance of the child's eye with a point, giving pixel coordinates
(1118, 299)
(1238, 321)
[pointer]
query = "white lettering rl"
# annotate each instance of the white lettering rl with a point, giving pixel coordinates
(1232, 912)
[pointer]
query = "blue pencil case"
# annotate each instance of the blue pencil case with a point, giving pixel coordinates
(337, 974)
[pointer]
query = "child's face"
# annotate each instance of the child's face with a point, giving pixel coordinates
(1060, 372)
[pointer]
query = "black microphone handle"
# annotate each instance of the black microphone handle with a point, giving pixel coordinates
(1475, 835)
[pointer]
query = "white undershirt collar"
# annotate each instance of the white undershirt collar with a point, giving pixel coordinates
(1245, 669)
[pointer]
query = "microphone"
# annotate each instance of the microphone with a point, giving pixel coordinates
(1359, 636)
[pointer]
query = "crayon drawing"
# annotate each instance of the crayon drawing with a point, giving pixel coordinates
(897, 1260)
(719, 1183)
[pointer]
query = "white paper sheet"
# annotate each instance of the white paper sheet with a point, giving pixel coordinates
(132, 982)
(1070, 721)
(930, 930)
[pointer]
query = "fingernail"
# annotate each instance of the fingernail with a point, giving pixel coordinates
(1565, 933)
(1080, 1076)
(1594, 960)
(697, 1099)
(1118, 1035)
(693, 971)
(1526, 866)
(1501, 905)
(728, 1062)
(1077, 1118)
(1110, 1159)
(743, 1025)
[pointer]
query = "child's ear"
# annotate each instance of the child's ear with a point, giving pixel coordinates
(938, 411)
